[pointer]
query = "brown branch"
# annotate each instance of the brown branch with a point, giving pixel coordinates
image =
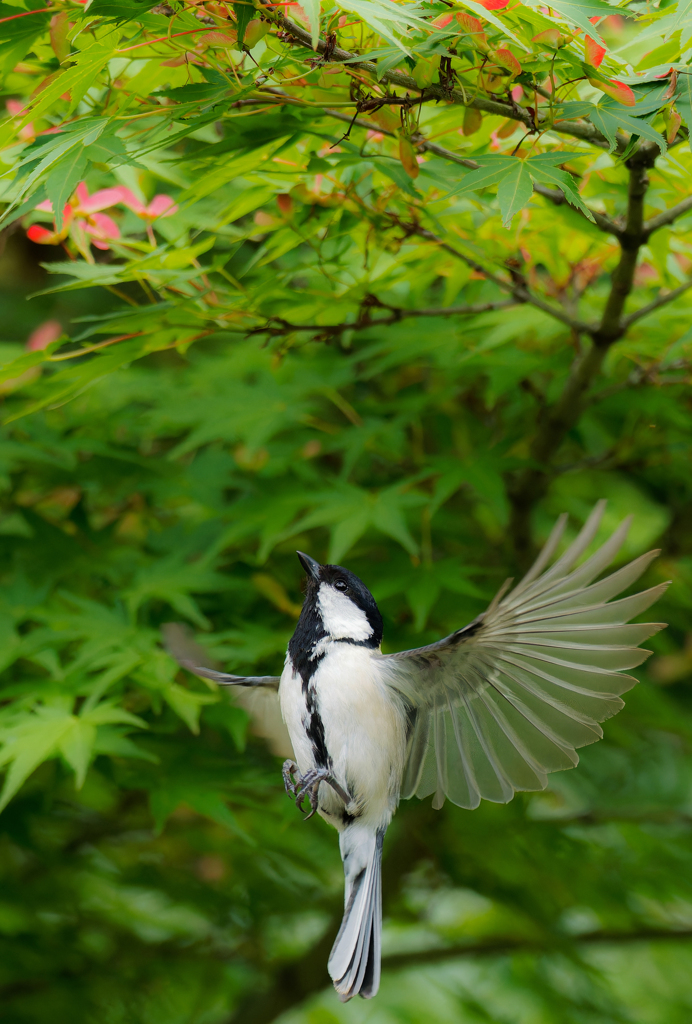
(554, 195)
(295, 982)
(529, 485)
(334, 54)
(661, 300)
(504, 946)
(520, 292)
(667, 217)
(277, 326)
(631, 240)
(559, 199)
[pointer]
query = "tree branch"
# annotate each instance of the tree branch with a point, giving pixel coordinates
(277, 326)
(528, 486)
(520, 292)
(667, 217)
(661, 300)
(578, 130)
(631, 240)
(559, 199)
(554, 195)
(500, 947)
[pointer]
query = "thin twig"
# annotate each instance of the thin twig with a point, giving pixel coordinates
(277, 326)
(579, 130)
(520, 292)
(553, 195)
(668, 216)
(661, 300)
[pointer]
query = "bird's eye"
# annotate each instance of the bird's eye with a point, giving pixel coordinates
(340, 585)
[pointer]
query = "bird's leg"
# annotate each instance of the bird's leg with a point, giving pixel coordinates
(300, 786)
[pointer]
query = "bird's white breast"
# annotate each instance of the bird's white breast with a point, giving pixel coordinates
(364, 726)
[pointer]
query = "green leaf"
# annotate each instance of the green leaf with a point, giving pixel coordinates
(312, 10)
(32, 741)
(578, 12)
(491, 172)
(609, 118)
(187, 704)
(63, 180)
(545, 171)
(244, 13)
(514, 191)
(683, 104)
(76, 746)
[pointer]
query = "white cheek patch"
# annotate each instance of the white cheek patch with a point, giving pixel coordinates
(342, 619)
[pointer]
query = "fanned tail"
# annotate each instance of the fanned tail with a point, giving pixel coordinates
(354, 962)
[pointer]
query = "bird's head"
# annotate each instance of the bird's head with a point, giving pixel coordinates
(341, 603)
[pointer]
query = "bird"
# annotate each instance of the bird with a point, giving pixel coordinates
(485, 712)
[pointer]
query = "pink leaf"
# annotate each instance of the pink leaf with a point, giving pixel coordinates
(98, 201)
(101, 227)
(45, 334)
(161, 206)
(130, 200)
(41, 235)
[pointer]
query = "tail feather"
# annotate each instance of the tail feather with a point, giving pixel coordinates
(354, 963)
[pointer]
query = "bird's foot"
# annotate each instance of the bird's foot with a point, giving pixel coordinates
(309, 786)
(300, 786)
(290, 768)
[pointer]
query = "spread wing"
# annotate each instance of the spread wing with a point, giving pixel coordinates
(499, 704)
(258, 695)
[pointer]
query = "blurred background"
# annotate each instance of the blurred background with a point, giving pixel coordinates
(153, 870)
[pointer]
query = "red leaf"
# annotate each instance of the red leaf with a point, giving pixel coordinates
(493, 5)
(442, 20)
(594, 53)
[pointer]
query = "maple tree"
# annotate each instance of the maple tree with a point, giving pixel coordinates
(395, 283)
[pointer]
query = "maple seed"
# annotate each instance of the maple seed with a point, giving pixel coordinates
(255, 31)
(473, 119)
(673, 122)
(407, 155)
(618, 90)
(593, 53)
(506, 59)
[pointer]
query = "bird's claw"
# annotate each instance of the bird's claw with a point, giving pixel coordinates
(290, 768)
(300, 786)
(309, 786)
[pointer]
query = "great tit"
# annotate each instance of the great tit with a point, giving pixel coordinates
(485, 712)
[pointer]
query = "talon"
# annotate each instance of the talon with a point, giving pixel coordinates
(289, 769)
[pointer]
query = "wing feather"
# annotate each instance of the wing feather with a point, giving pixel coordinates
(498, 705)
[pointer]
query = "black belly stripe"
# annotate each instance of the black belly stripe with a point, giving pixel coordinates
(315, 729)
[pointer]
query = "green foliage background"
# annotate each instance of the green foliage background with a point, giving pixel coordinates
(408, 365)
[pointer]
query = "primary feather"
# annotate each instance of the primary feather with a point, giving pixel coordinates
(500, 704)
